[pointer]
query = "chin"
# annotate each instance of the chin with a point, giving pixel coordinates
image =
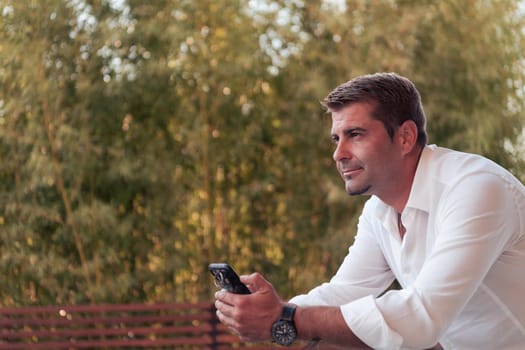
(358, 191)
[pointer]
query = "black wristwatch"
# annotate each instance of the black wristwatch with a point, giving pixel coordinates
(283, 330)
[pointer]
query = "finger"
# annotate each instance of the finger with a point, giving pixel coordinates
(226, 297)
(226, 321)
(225, 309)
(255, 282)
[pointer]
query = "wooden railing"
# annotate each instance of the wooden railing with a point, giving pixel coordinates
(168, 326)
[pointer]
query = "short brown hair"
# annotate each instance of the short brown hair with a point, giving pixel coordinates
(395, 100)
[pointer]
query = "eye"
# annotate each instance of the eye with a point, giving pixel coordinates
(354, 132)
(335, 139)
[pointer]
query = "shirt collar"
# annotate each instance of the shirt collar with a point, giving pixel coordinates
(422, 185)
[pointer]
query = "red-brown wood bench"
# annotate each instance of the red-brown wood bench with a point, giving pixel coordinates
(168, 326)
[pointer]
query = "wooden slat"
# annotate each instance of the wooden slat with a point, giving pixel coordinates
(125, 331)
(108, 343)
(88, 320)
(105, 307)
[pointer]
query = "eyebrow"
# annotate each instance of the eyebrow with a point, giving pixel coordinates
(353, 129)
(348, 131)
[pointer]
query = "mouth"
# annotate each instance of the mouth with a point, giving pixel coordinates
(350, 172)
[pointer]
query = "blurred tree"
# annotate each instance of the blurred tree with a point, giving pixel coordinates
(82, 187)
(43, 252)
(141, 140)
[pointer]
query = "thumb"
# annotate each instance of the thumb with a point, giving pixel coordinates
(256, 282)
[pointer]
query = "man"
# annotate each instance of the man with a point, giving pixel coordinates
(449, 226)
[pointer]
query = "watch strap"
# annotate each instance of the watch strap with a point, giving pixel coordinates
(288, 312)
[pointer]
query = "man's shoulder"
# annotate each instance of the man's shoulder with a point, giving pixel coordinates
(446, 165)
(444, 171)
(443, 155)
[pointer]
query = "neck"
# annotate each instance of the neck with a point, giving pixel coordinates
(401, 191)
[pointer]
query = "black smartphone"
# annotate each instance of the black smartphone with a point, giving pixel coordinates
(226, 278)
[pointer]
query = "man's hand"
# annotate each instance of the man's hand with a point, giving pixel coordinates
(250, 316)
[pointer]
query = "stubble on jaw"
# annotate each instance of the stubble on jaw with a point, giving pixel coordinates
(359, 192)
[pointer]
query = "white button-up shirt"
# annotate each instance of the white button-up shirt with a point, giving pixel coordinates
(461, 262)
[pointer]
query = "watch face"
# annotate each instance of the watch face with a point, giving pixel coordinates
(283, 332)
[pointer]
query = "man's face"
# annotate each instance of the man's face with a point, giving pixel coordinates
(366, 157)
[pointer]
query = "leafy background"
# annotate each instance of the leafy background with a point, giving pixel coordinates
(140, 140)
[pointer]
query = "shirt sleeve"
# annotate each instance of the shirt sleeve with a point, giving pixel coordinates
(364, 271)
(475, 223)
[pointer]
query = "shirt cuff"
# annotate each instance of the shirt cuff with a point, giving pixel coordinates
(366, 321)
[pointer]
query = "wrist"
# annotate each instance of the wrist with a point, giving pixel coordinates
(304, 331)
(283, 330)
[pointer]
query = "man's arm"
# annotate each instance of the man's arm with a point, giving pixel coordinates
(326, 323)
(251, 316)
(322, 345)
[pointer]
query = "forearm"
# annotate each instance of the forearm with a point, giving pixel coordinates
(326, 324)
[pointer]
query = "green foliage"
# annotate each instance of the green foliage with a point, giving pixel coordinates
(140, 142)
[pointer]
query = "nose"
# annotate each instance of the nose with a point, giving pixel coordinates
(341, 152)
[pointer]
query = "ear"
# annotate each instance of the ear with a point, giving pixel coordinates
(407, 136)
